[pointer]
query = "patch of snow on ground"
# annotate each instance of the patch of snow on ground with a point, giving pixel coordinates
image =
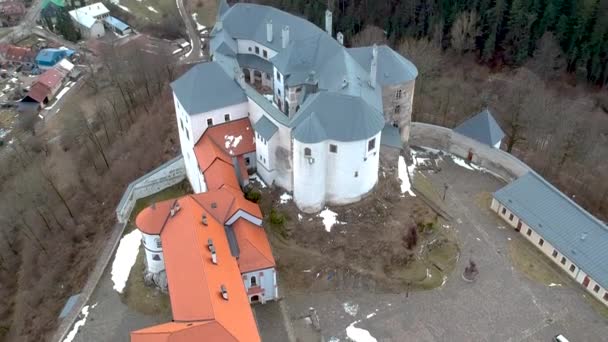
(80, 323)
(333, 339)
(269, 97)
(257, 178)
(370, 315)
(351, 308)
(285, 197)
(554, 284)
(152, 9)
(124, 8)
(406, 186)
(299, 217)
(199, 27)
(125, 259)
(329, 219)
(358, 334)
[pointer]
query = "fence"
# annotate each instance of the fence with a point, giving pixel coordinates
(166, 175)
(497, 161)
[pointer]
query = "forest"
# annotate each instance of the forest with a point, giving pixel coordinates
(499, 32)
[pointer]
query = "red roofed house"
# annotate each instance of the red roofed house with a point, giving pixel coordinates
(45, 87)
(11, 12)
(17, 56)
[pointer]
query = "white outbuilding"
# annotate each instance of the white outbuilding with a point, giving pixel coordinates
(89, 20)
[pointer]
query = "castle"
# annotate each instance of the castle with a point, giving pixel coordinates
(318, 110)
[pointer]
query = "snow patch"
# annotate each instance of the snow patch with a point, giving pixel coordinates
(299, 217)
(351, 308)
(152, 9)
(370, 315)
(125, 257)
(257, 178)
(329, 219)
(554, 284)
(285, 197)
(80, 323)
(124, 8)
(403, 171)
(358, 334)
(232, 141)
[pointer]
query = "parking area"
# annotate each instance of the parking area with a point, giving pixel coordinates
(503, 304)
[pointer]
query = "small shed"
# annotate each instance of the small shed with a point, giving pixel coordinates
(116, 25)
(483, 128)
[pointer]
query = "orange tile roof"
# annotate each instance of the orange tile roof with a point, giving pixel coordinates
(52, 77)
(220, 174)
(234, 137)
(152, 219)
(194, 281)
(183, 332)
(206, 152)
(255, 252)
(228, 201)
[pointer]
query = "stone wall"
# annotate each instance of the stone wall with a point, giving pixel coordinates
(496, 161)
(166, 175)
(403, 116)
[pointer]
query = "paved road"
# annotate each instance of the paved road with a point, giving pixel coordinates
(196, 55)
(502, 305)
(27, 23)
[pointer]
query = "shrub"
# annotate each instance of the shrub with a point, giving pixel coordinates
(277, 218)
(253, 196)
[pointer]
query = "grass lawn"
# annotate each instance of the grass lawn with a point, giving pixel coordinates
(206, 11)
(175, 191)
(530, 261)
(144, 299)
(144, 10)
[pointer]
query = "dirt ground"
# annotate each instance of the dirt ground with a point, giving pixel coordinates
(369, 250)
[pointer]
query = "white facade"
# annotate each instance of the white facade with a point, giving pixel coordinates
(551, 252)
(261, 285)
(155, 262)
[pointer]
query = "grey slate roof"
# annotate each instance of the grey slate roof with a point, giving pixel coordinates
(265, 128)
(393, 68)
(391, 137)
(337, 117)
(482, 127)
(255, 62)
(569, 228)
(206, 87)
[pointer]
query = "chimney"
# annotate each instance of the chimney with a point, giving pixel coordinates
(269, 31)
(340, 38)
(175, 209)
(374, 67)
(285, 36)
(224, 291)
(213, 256)
(204, 220)
(328, 22)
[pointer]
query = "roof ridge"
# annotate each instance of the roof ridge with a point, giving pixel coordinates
(259, 252)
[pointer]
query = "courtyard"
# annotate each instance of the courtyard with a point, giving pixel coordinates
(517, 296)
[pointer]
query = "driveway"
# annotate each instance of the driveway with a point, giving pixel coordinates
(501, 305)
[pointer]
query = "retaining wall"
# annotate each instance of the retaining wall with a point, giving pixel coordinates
(497, 161)
(166, 175)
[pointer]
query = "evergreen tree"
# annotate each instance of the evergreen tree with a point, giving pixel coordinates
(518, 27)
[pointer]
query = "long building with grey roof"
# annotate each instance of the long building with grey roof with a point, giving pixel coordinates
(318, 108)
(570, 236)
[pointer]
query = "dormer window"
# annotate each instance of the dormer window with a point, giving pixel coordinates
(265, 53)
(307, 152)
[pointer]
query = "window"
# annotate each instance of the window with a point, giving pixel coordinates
(397, 109)
(226, 117)
(541, 242)
(159, 244)
(398, 94)
(254, 281)
(247, 161)
(572, 268)
(298, 89)
(278, 77)
(606, 296)
(563, 261)
(371, 144)
(333, 148)
(511, 217)
(156, 257)
(267, 76)
(257, 50)
(249, 49)
(279, 92)
(209, 122)
(596, 288)
(529, 232)
(187, 135)
(356, 174)
(554, 253)
(265, 53)
(181, 123)
(307, 152)
(504, 211)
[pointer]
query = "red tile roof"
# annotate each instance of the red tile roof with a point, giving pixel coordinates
(234, 137)
(38, 92)
(255, 252)
(18, 54)
(220, 174)
(152, 219)
(12, 8)
(183, 332)
(52, 77)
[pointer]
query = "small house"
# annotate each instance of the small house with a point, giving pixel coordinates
(483, 128)
(88, 20)
(47, 58)
(116, 25)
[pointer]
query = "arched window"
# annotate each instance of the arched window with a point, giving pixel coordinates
(397, 109)
(254, 281)
(307, 152)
